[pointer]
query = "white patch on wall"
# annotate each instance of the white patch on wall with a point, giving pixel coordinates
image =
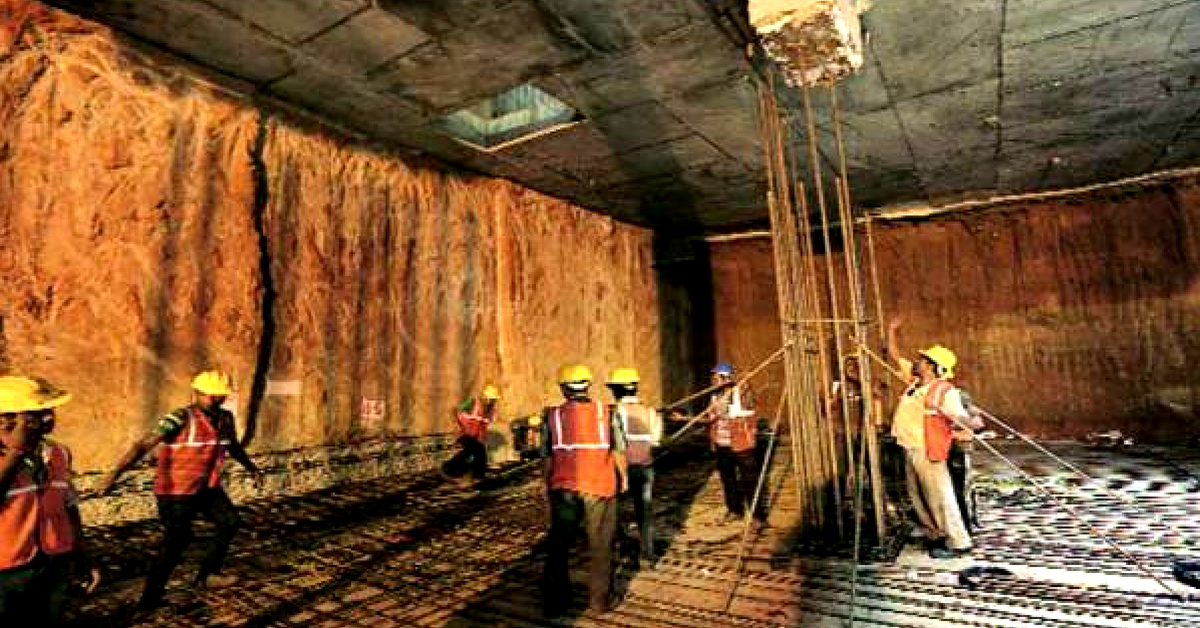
(372, 412)
(283, 388)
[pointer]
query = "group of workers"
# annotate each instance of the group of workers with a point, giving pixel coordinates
(41, 534)
(592, 452)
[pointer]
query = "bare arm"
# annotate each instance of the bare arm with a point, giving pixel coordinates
(135, 453)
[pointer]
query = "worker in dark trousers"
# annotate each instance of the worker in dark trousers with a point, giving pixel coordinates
(585, 470)
(959, 463)
(643, 430)
(193, 442)
(41, 537)
(733, 429)
(474, 417)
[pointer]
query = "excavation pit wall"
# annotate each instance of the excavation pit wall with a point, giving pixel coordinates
(1069, 316)
(155, 224)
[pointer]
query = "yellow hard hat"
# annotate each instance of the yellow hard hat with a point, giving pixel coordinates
(490, 392)
(29, 394)
(574, 374)
(942, 357)
(213, 383)
(535, 420)
(624, 376)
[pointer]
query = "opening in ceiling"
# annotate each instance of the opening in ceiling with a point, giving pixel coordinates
(517, 115)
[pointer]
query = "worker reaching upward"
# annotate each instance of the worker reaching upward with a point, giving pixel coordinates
(193, 442)
(643, 431)
(474, 416)
(585, 468)
(41, 537)
(923, 425)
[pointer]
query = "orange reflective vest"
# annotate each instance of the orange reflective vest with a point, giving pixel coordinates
(639, 422)
(474, 424)
(735, 426)
(581, 449)
(191, 459)
(938, 432)
(34, 516)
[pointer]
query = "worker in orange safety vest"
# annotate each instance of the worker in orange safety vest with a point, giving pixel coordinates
(643, 431)
(193, 442)
(928, 412)
(474, 417)
(41, 535)
(585, 469)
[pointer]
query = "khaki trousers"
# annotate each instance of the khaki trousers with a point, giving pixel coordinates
(933, 500)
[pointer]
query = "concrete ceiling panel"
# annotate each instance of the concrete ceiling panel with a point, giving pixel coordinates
(954, 42)
(438, 17)
(864, 91)
(326, 91)
(365, 41)
(1146, 38)
(580, 153)
(642, 125)
(726, 116)
(1142, 95)
(197, 32)
(1044, 62)
(873, 141)
(674, 156)
(504, 50)
(941, 125)
(1186, 40)
(1184, 147)
(292, 20)
(1034, 20)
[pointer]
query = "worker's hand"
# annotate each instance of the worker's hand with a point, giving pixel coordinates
(676, 415)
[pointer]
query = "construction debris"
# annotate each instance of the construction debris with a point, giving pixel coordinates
(814, 41)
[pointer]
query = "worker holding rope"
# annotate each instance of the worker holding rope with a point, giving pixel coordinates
(923, 425)
(733, 431)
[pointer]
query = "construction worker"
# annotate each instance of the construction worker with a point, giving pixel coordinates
(41, 537)
(925, 416)
(959, 462)
(733, 428)
(643, 431)
(585, 469)
(474, 416)
(194, 442)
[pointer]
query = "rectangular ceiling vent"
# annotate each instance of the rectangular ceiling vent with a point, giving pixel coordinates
(519, 114)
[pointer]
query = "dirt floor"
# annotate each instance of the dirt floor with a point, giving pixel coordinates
(415, 551)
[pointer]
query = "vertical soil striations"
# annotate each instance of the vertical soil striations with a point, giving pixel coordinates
(153, 224)
(1068, 316)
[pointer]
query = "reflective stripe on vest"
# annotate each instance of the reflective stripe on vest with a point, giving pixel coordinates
(474, 424)
(735, 428)
(601, 431)
(638, 422)
(938, 434)
(581, 454)
(193, 463)
(36, 518)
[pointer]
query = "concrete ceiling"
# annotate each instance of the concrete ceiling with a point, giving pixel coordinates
(957, 97)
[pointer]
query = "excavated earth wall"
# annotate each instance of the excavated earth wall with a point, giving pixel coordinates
(1069, 316)
(154, 224)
